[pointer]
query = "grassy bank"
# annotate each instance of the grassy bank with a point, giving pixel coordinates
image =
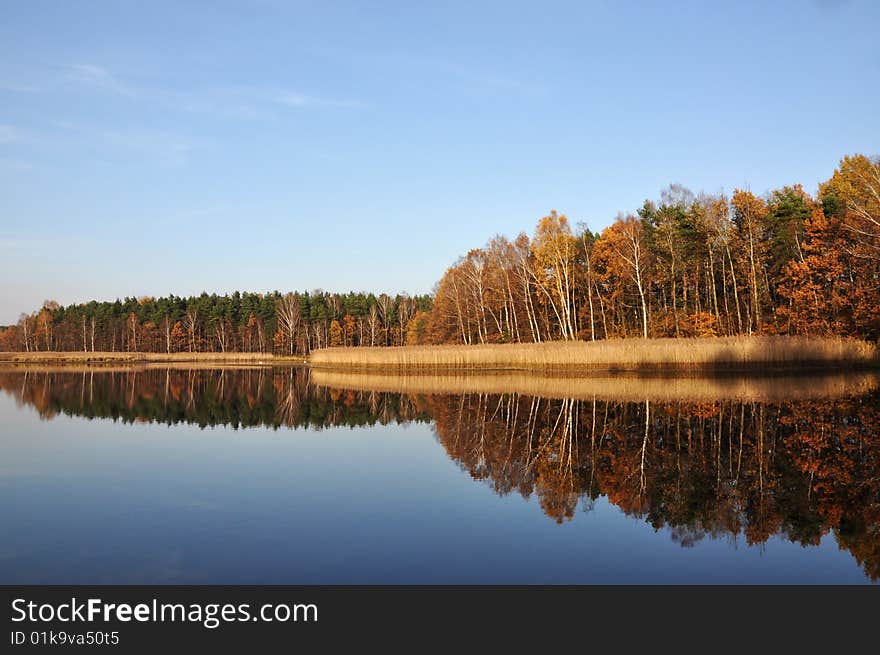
(728, 353)
(625, 388)
(102, 358)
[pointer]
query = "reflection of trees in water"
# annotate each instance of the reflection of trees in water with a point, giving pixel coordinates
(719, 469)
(232, 397)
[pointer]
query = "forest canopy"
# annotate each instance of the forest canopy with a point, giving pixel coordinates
(683, 265)
(292, 323)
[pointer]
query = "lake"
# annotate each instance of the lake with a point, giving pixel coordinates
(284, 475)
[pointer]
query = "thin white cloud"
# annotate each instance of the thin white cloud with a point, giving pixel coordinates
(15, 165)
(9, 134)
(166, 148)
(229, 102)
(99, 76)
(832, 4)
(15, 87)
(22, 244)
(15, 245)
(409, 64)
(507, 84)
(303, 100)
(169, 149)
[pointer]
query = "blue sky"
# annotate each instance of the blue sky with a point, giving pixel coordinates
(148, 148)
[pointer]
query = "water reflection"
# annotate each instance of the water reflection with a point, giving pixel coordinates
(797, 458)
(233, 397)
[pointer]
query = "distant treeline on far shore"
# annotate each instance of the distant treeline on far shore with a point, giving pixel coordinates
(684, 265)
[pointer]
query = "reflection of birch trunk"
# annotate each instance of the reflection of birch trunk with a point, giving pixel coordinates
(532, 425)
(133, 382)
(592, 448)
(678, 441)
(287, 408)
(571, 441)
(512, 424)
(642, 476)
(192, 390)
(761, 451)
(742, 414)
(718, 447)
(569, 406)
(386, 416)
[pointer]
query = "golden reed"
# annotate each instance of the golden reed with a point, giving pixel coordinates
(626, 354)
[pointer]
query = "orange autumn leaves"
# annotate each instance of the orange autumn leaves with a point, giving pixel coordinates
(686, 265)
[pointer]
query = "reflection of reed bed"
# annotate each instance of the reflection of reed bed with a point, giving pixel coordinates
(106, 358)
(629, 354)
(608, 387)
(133, 367)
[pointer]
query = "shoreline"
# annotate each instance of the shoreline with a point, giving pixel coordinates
(65, 358)
(717, 356)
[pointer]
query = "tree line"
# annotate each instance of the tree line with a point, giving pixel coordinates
(291, 323)
(684, 265)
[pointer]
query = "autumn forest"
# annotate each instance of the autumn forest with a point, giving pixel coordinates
(684, 265)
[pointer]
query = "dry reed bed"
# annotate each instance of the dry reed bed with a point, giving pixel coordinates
(625, 354)
(627, 388)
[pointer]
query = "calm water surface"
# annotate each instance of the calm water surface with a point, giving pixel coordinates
(268, 476)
